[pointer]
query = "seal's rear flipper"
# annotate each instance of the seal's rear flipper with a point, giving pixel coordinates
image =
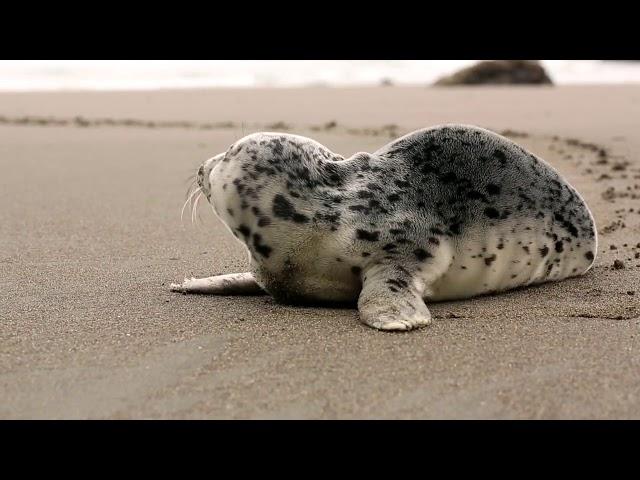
(391, 299)
(230, 284)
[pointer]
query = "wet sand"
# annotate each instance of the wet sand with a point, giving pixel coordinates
(91, 188)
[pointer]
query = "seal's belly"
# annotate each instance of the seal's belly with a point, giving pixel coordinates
(493, 260)
(307, 276)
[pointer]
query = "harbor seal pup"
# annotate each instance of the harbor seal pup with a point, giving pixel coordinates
(447, 212)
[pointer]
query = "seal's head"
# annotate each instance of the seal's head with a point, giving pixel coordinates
(259, 163)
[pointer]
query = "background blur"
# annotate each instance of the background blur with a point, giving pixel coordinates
(27, 75)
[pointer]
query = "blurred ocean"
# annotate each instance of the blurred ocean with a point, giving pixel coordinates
(28, 75)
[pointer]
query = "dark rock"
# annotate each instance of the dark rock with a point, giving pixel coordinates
(499, 72)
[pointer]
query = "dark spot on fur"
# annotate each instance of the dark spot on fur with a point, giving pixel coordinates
(448, 177)
(398, 282)
(475, 195)
(493, 189)
(559, 247)
(368, 236)
(498, 154)
(489, 260)
(244, 230)
(261, 248)
(544, 251)
(264, 221)
(376, 204)
(283, 208)
(359, 208)
(491, 212)
(421, 254)
(403, 270)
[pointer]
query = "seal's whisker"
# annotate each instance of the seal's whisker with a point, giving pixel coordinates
(193, 199)
(193, 204)
(195, 208)
(191, 179)
(186, 202)
(191, 188)
(198, 216)
(182, 211)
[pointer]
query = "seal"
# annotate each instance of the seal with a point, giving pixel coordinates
(448, 212)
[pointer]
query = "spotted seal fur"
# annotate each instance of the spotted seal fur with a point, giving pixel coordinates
(443, 213)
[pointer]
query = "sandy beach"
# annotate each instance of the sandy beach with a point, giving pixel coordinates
(91, 189)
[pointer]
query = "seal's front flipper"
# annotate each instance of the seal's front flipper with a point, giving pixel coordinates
(230, 284)
(391, 299)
